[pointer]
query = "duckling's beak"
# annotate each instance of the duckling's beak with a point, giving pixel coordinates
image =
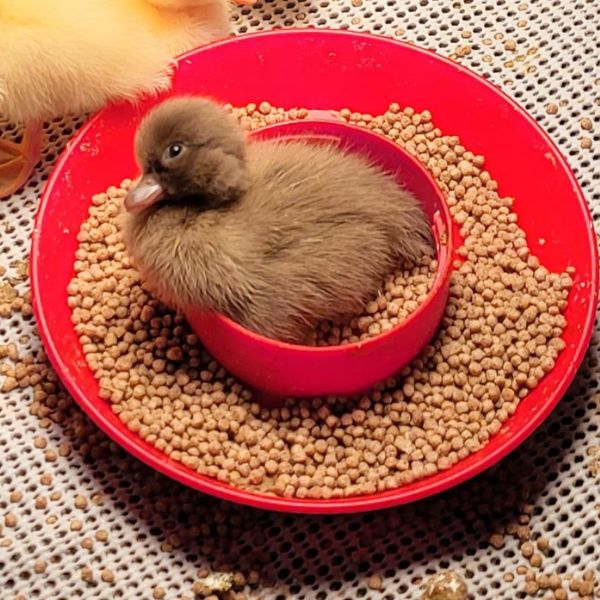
(144, 194)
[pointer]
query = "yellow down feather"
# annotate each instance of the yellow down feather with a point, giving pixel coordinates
(73, 56)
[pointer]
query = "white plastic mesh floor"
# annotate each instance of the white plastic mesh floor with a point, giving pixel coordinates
(135, 534)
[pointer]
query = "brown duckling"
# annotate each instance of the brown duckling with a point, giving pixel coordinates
(277, 235)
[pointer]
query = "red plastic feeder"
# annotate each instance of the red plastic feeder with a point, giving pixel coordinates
(279, 369)
(319, 69)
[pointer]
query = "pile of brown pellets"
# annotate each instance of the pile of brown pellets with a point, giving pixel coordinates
(402, 292)
(501, 334)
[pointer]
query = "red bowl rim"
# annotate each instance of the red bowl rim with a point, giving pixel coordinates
(401, 495)
(441, 226)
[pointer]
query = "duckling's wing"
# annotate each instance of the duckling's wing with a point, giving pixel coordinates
(318, 188)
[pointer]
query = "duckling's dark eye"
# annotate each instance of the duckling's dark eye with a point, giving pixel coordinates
(173, 151)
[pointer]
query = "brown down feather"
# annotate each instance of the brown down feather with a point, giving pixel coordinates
(275, 235)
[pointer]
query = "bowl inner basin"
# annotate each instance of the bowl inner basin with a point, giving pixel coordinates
(321, 69)
(406, 170)
(277, 370)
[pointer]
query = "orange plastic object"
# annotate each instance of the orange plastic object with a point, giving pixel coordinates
(330, 69)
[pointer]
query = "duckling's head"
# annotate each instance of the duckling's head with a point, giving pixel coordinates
(189, 149)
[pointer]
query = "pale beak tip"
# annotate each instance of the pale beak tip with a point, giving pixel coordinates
(146, 193)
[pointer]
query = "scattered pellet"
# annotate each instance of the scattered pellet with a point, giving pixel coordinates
(527, 549)
(543, 544)
(97, 499)
(10, 520)
(200, 589)
(532, 588)
(16, 496)
(543, 581)
(555, 581)
(87, 543)
(40, 502)
(46, 479)
(87, 574)
(64, 449)
(552, 108)
(81, 501)
(9, 384)
(586, 588)
(464, 50)
(76, 525)
(40, 566)
(158, 593)
(523, 532)
(445, 585)
(530, 575)
(586, 124)
(107, 575)
(375, 582)
(50, 455)
(102, 535)
(536, 561)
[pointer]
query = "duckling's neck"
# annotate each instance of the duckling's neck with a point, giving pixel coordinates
(202, 201)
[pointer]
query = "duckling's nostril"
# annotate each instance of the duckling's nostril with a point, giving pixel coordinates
(157, 167)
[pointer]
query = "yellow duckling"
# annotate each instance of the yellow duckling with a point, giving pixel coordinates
(74, 56)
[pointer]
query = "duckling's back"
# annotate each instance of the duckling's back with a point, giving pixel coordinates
(318, 231)
(333, 192)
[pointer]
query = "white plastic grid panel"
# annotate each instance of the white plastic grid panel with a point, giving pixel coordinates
(160, 533)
